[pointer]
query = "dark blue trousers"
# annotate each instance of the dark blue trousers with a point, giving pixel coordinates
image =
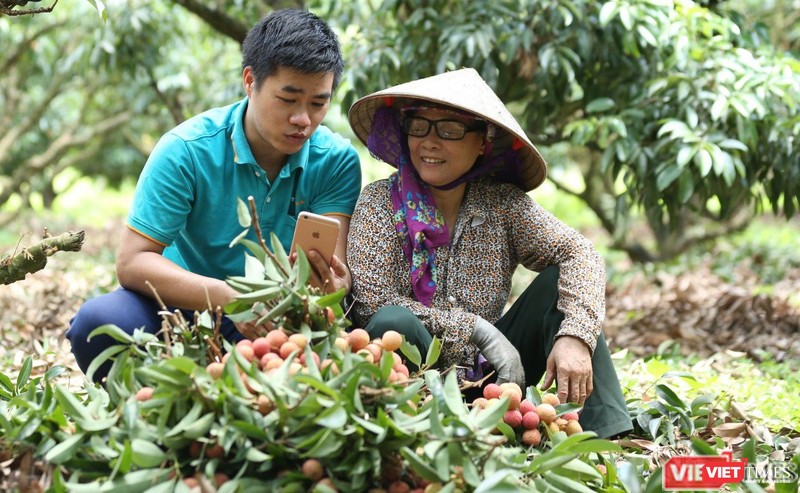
(127, 310)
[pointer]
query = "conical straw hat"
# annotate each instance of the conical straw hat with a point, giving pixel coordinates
(464, 90)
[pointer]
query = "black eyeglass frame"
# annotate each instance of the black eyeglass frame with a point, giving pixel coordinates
(476, 127)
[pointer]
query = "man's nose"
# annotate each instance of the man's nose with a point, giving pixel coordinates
(300, 119)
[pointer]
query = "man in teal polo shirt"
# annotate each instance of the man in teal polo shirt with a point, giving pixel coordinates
(270, 146)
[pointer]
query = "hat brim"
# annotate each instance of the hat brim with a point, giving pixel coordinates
(466, 91)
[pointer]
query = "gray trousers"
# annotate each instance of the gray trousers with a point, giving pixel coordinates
(531, 325)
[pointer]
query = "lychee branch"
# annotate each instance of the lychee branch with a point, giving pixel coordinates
(254, 215)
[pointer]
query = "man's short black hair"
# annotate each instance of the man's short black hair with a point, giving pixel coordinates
(295, 39)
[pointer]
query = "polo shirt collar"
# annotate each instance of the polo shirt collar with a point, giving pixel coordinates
(242, 154)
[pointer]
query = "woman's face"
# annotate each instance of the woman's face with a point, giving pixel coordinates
(439, 161)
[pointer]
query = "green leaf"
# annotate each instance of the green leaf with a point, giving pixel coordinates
(328, 445)
(243, 213)
(107, 354)
(101, 9)
(112, 331)
(303, 269)
(5, 382)
(411, 352)
(733, 144)
(703, 162)
(499, 481)
(254, 248)
(96, 424)
(567, 484)
(24, 373)
(599, 105)
(434, 351)
(266, 294)
(332, 299)
(669, 396)
(255, 455)
(71, 404)
(334, 418)
(489, 418)
(667, 176)
(685, 154)
(238, 238)
(65, 450)
(701, 447)
(147, 454)
(279, 252)
(596, 445)
(607, 13)
(420, 466)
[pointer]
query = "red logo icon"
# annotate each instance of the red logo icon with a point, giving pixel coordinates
(702, 472)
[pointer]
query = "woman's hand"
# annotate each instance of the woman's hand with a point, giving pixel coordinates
(329, 278)
(570, 362)
(499, 352)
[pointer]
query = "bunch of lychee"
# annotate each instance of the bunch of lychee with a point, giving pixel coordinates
(527, 418)
(276, 347)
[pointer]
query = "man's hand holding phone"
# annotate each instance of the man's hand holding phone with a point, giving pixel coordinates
(317, 236)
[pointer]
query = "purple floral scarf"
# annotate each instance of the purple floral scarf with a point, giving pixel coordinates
(421, 228)
(418, 222)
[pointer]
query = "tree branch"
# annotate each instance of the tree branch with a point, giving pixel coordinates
(14, 133)
(217, 19)
(34, 258)
(58, 148)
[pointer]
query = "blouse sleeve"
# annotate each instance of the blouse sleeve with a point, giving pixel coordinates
(540, 240)
(381, 276)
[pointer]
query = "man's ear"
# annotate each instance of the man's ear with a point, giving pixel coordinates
(248, 80)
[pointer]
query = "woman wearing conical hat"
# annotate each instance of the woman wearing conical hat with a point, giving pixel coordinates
(433, 248)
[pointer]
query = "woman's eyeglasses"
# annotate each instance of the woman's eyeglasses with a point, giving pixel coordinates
(417, 126)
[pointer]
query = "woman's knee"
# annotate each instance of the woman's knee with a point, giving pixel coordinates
(400, 319)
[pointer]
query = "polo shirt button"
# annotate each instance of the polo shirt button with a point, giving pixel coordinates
(451, 299)
(269, 199)
(258, 174)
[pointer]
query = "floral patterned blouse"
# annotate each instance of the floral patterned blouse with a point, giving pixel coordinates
(498, 227)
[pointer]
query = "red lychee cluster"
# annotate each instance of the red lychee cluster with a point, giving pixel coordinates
(527, 418)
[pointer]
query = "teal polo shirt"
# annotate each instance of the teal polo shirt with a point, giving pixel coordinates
(187, 193)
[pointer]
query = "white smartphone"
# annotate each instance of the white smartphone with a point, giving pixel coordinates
(316, 232)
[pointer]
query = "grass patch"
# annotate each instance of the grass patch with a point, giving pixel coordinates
(728, 376)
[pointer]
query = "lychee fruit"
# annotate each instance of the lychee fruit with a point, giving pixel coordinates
(530, 420)
(513, 418)
(261, 347)
(526, 406)
(573, 427)
(551, 399)
(392, 340)
(532, 438)
(215, 369)
(276, 339)
(312, 469)
(492, 391)
(546, 412)
(358, 339)
(144, 394)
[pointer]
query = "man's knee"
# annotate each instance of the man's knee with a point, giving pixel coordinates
(89, 316)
